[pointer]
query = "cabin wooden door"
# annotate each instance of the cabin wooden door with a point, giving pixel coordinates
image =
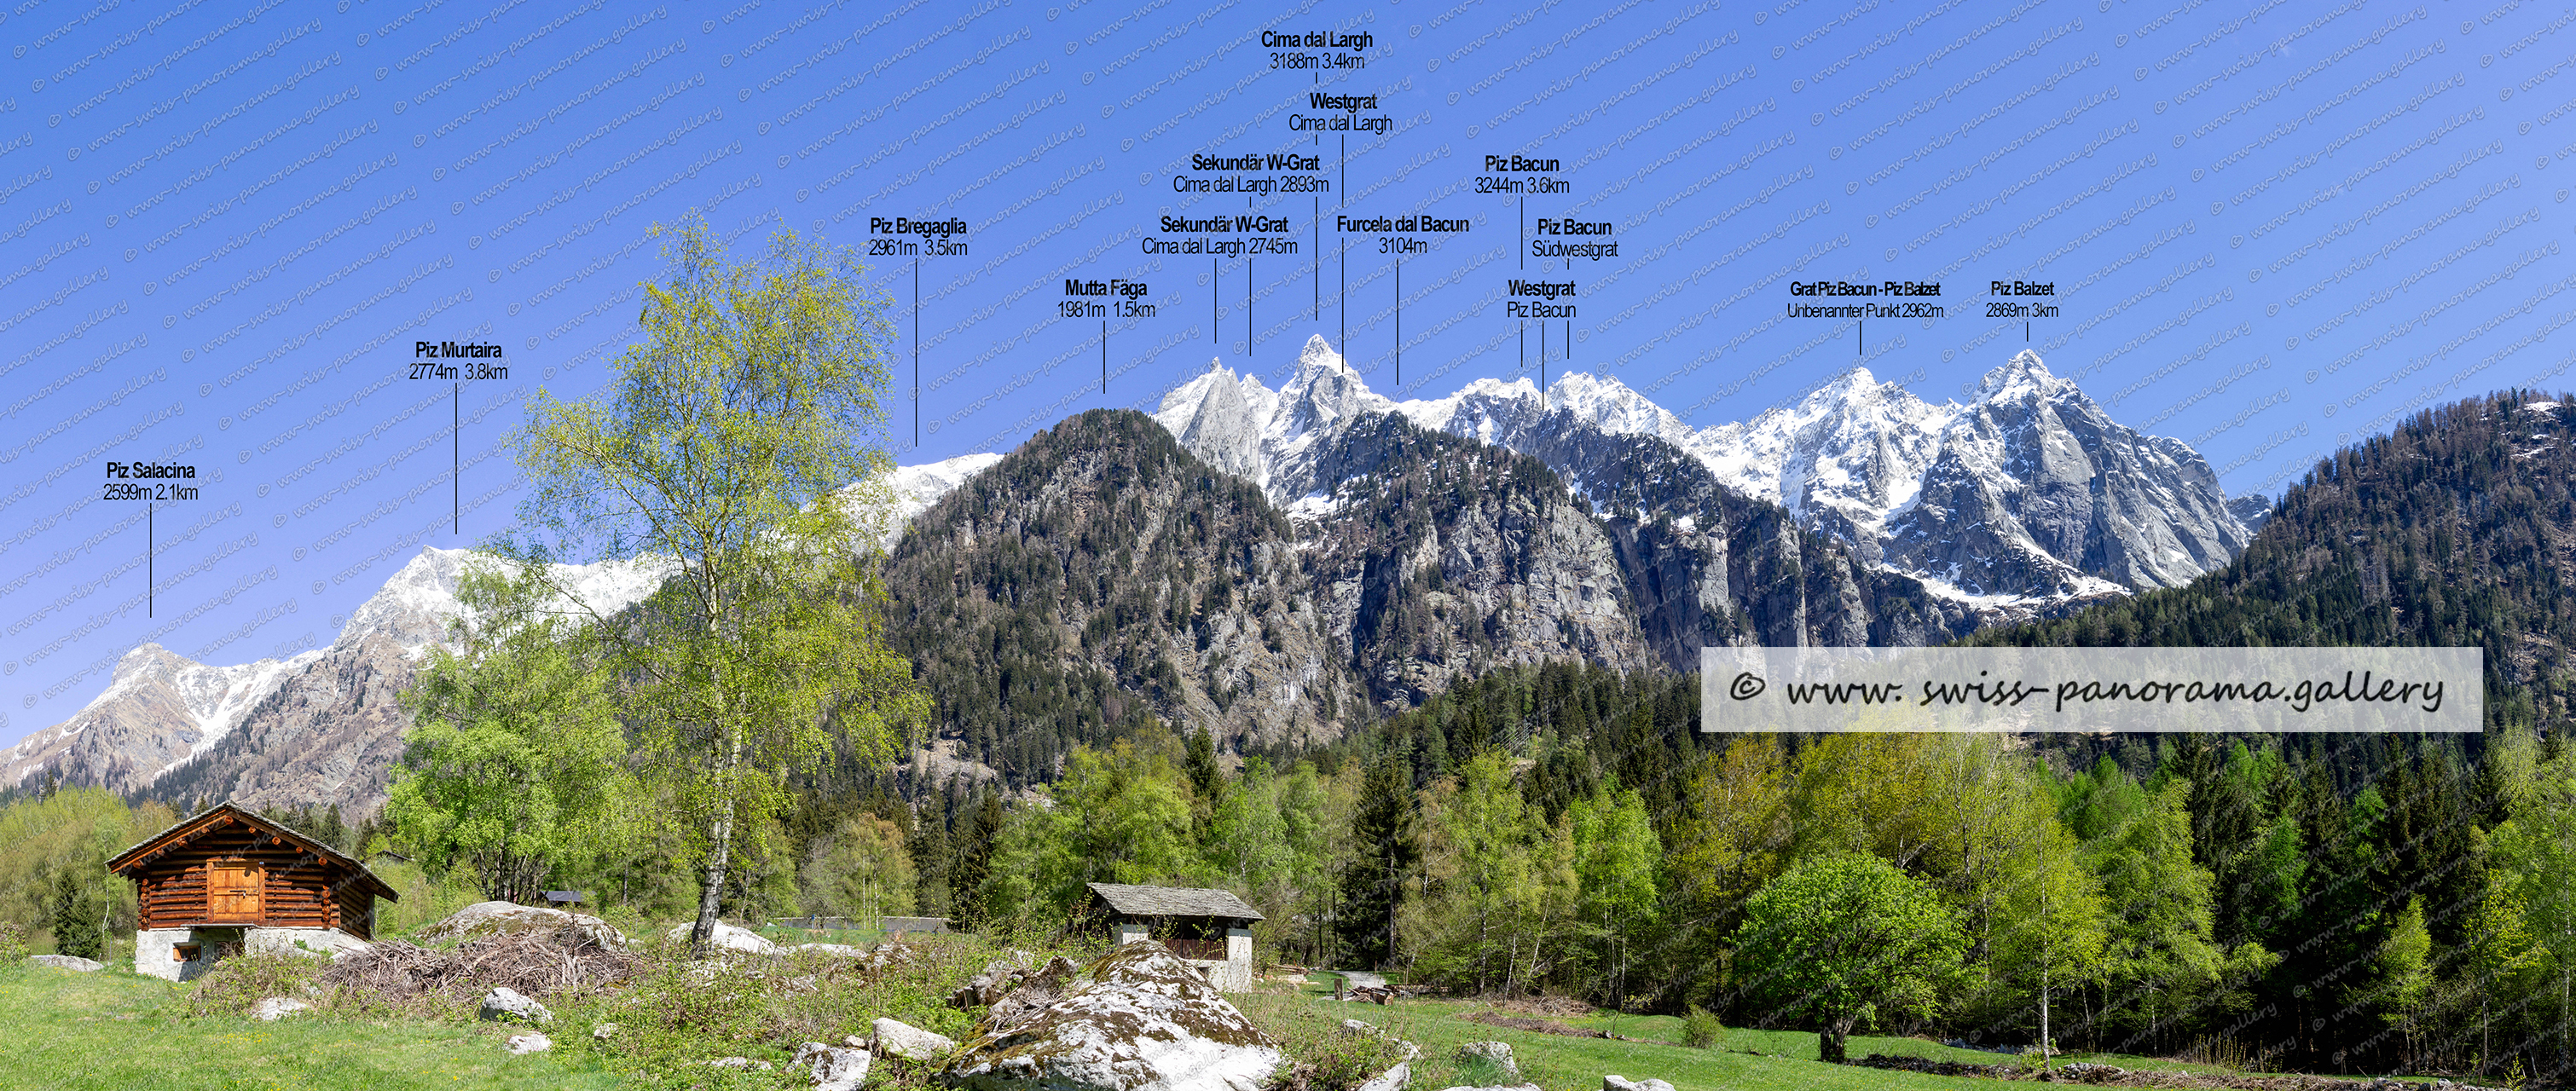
(232, 891)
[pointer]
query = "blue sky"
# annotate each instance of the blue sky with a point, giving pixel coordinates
(225, 224)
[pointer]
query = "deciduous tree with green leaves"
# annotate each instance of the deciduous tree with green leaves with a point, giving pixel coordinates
(1615, 855)
(743, 440)
(515, 766)
(1120, 815)
(1846, 938)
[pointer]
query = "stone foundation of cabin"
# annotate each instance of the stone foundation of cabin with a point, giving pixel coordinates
(185, 954)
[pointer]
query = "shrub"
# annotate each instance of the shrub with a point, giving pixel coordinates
(1484, 1072)
(1700, 1028)
(677, 1010)
(1322, 1054)
(13, 943)
(238, 983)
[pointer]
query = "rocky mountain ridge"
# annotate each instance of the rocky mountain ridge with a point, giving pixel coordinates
(317, 728)
(2027, 499)
(1375, 553)
(1103, 573)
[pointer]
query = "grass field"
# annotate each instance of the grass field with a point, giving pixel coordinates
(122, 1031)
(1742, 1059)
(116, 1029)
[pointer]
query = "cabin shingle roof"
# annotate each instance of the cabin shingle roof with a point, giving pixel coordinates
(176, 838)
(1173, 901)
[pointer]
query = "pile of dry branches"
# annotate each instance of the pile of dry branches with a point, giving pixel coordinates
(398, 974)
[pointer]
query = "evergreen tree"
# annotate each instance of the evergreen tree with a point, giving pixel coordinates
(974, 857)
(72, 912)
(1383, 854)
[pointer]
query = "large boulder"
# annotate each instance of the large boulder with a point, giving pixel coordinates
(728, 938)
(278, 1007)
(1137, 1019)
(1493, 1059)
(1393, 1079)
(505, 1002)
(996, 980)
(1493, 1055)
(833, 1068)
(66, 962)
(896, 1038)
(1036, 989)
(497, 918)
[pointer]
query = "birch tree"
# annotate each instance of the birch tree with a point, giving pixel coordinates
(741, 440)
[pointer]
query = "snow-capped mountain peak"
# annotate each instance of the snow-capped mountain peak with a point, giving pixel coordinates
(916, 488)
(2022, 377)
(1900, 479)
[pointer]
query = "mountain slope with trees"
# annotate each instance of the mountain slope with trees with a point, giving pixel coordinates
(2457, 529)
(1099, 578)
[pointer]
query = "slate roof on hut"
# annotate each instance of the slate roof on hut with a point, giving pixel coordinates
(1173, 901)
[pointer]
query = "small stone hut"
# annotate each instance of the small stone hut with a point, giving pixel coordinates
(228, 881)
(1210, 929)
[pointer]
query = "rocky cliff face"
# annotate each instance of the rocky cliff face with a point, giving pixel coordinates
(2025, 500)
(2035, 492)
(1654, 539)
(1439, 558)
(327, 735)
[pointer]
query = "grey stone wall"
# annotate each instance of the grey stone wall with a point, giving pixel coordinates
(156, 949)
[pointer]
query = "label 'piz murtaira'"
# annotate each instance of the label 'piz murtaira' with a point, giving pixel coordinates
(453, 349)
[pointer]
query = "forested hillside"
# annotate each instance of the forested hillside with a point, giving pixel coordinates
(1099, 578)
(2457, 529)
(2338, 903)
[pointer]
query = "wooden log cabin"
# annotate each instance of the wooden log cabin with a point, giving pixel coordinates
(230, 880)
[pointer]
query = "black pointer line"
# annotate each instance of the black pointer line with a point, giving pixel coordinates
(147, 559)
(916, 352)
(456, 460)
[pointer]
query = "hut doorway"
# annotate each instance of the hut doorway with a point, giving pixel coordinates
(233, 891)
